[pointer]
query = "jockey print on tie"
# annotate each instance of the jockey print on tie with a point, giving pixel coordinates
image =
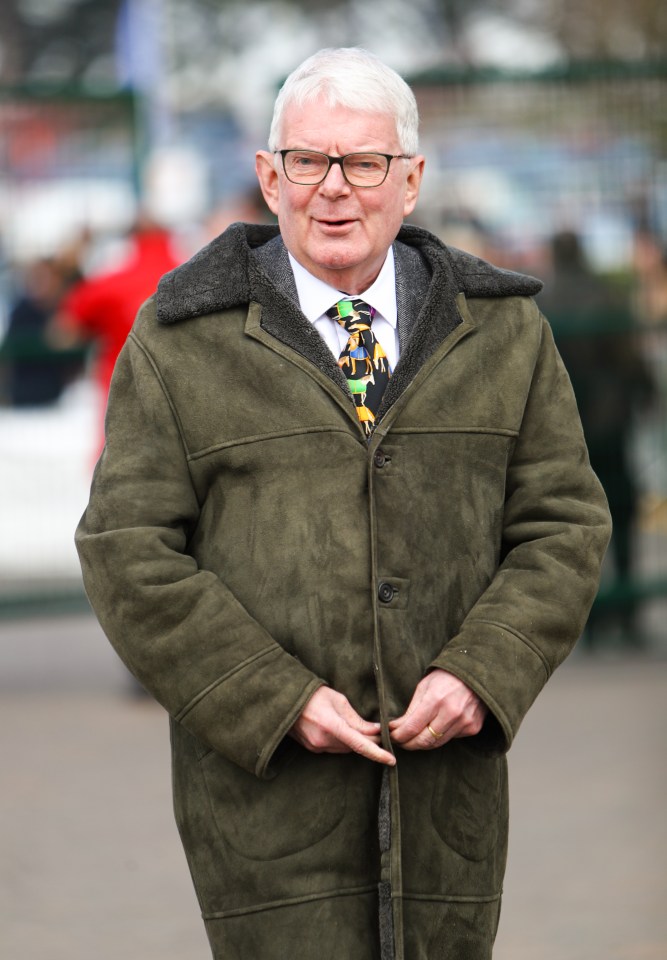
(363, 361)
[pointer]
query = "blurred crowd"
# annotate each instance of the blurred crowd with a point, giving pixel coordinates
(597, 326)
(68, 321)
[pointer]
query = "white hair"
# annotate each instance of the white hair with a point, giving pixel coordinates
(354, 78)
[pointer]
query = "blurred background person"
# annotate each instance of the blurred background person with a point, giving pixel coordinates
(649, 260)
(592, 325)
(100, 309)
(650, 265)
(35, 374)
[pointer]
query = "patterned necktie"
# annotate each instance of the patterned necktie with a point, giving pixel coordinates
(363, 361)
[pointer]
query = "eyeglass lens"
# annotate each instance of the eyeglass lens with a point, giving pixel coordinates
(360, 169)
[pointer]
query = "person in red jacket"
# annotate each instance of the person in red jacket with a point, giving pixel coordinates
(101, 308)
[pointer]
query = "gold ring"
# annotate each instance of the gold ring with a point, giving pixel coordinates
(436, 736)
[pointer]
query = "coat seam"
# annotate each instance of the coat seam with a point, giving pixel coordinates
(261, 437)
(158, 376)
(289, 902)
(520, 636)
(493, 431)
(453, 898)
(230, 673)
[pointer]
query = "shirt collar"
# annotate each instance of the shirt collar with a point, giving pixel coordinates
(316, 296)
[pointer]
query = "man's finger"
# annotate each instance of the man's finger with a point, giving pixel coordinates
(366, 747)
(410, 725)
(330, 724)
(350, 716)
(358, 742)
(435, 734)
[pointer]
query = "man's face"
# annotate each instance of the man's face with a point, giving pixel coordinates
(340, 233)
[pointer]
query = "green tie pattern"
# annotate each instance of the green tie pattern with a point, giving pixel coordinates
(363, 361)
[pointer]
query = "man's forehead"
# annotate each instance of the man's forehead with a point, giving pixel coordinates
(321, 118)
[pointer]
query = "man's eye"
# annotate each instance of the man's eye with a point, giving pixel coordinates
(306, 162)
(365, 164)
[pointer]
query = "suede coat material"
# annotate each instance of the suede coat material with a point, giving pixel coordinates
(245, 544)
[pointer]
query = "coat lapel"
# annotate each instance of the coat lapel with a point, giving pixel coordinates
(272, 284)
(426, 312)
(413, 279)
(250, 263)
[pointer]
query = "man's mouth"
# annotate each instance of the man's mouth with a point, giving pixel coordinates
(334, 223)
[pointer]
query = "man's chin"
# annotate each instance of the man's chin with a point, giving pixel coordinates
(345, 273)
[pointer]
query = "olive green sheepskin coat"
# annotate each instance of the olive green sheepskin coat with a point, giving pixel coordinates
(244, 544)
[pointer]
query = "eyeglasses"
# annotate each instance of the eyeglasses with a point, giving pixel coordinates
(307, 167)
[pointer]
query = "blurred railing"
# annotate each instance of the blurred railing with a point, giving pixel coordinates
(512, 161)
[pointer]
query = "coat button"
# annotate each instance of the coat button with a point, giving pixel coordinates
(386, 592)
(380, 458)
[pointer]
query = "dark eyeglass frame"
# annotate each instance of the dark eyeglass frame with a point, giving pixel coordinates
(340, 161)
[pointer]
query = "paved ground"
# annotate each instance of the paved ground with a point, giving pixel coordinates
(90, 864)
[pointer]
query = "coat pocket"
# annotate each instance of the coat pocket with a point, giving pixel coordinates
(466, 802)
(270, 819)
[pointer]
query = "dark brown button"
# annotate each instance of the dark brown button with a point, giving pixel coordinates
(386, 592)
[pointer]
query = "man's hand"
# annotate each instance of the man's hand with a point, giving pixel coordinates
(442, 708)
(329, 724)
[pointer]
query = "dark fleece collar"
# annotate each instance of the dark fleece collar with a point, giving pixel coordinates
(243, 265)
(220, 276)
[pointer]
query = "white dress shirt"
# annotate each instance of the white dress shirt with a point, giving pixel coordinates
(316, 297)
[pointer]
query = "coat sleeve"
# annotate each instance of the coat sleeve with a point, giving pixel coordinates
(556, 528)
(178, 628)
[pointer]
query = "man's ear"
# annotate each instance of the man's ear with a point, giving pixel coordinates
(413, 184)
(268, 179)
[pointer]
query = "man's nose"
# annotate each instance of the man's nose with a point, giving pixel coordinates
(334, 182)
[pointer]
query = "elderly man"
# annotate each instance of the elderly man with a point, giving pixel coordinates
(344, 528)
